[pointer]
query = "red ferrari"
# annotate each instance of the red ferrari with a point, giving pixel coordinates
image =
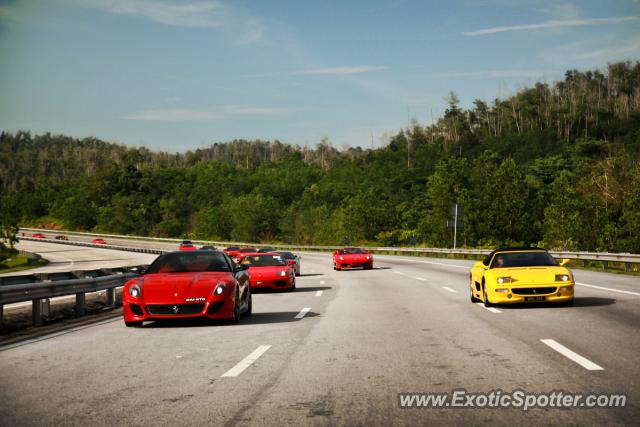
(186, 245)
(98, 242)
(38, 236)
(352, 258)
(269, 271)
(204, 284)
(232, 251)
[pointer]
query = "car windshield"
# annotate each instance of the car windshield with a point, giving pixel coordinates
(287, 255)
(248, 250)
(189, 262)
(233, 248)
(523, 259)
(262, 260)
(347, 251)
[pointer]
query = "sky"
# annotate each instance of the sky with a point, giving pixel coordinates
(181, 75)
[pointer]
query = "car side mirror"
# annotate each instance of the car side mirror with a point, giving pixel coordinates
(241, 267)
(565, 261)
(292, 262)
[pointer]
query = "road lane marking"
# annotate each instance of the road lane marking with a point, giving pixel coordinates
(609, 289)
(302, 313)
(322, 282)
(421, 278)
(319, 293)
(491, 309)
(246, 362)
(449, 289)
(435, 263)
(582, 361)
(399, 272)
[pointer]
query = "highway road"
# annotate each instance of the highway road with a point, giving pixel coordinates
(338, 351)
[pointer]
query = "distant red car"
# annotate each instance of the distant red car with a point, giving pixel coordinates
(232, 251)
(352, 258)
(99, 242)
(186, 245)
(269, 271)
(204, 284)
(244, 252)
(38, 236)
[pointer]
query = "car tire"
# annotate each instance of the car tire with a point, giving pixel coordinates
(249, 304)
(133, 324)
(236, 310)
(473, 298)
(485, 297)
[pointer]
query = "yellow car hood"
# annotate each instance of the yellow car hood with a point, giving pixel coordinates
(529, 275)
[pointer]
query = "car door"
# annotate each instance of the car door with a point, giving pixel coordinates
(240, 277)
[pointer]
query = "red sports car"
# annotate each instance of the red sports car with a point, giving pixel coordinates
(186, 245)
(204, 284)
(232, 251)
(38, 236)
(98, 242)
(269, 270)
(352, 258)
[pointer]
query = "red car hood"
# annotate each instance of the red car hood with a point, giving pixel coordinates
(354, 257)
(268, 272)
(163, 286)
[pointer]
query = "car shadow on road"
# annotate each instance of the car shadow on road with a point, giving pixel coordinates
(254, 319)
(578, 302)
(275, 317)
(312, 288)
(311, 274)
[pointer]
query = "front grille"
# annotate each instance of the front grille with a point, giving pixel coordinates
(215, 307)
(280, 283)
(533, 291)
(135, 309)
(175, 309)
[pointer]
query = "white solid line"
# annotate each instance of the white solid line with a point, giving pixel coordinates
(449, 289)
(302, 313)
(421, 278)
(246, 362)
(322, 282)
(319, 293)
(609, 289)
(582, 361)
(491, 309)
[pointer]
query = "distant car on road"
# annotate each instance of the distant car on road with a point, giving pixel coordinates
(244, 252)
(269, 271)
(99, 241)
(61, 237)
(514, 275)
(187, 245)
(352, 258)
(208, 247)
(232, 251)
(292, 259)
(267, 249)
(38, 236)
(197, 283)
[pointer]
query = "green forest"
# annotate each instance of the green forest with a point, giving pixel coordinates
(555, 165)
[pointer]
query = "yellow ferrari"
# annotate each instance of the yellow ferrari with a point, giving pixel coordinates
(516, 275)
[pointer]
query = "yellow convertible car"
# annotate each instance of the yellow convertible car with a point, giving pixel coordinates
(515, 275)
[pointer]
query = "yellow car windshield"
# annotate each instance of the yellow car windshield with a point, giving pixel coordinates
(523, 259)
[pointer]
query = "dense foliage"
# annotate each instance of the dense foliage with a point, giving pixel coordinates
(557, 165)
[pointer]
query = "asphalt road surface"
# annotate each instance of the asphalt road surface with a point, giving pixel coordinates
(338, 351)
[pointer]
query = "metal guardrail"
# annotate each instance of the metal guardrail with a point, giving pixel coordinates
(39, 293)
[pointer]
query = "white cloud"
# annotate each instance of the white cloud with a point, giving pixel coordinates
(554, 24)
(176, 115)
(255, 32)
(189, 115)
(493, 74)
(341, 70)
(195, 14)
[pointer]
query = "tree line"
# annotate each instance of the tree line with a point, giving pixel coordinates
(556, 165)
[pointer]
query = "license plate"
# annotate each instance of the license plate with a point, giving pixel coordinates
(534, 298)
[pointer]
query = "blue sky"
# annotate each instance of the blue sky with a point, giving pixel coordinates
(179, 75)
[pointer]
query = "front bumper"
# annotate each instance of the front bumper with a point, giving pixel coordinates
(355, 264)
(136, 310)
(526, 294)
(269, 283)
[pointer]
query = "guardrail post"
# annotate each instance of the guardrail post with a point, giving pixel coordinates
(80, 303)
(605, 265)
(627, 267)
(111, 297)
(36, 311)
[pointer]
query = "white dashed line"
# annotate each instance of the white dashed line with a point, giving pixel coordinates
(302, 313)
(582, 361)
(491, 309)
(319, 293)
(399, 272)
(322, 282)
(421, 278)
(609, 289)
(449, 289)
(246, 362)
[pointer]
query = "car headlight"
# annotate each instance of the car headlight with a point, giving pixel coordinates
(283, 273)
(135, 291)
(502, 290)
(566, 289)
(341, 259)
(220, 288)
(368, 257)
(504, 279)
(562, 278)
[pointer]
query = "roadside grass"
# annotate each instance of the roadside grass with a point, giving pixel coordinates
(20, 263)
